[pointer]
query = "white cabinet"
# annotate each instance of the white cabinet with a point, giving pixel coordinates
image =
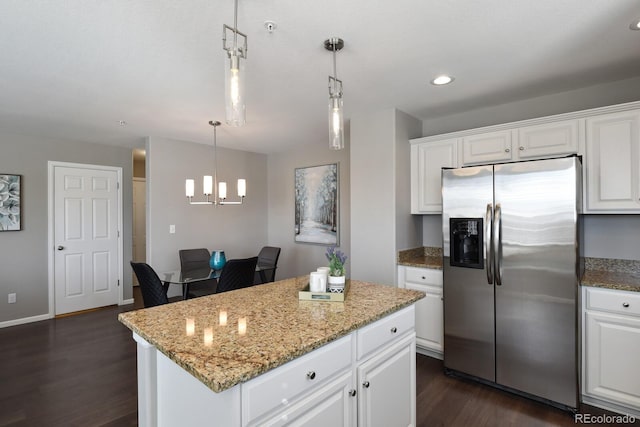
(611, 345)
(549, 140)
(612, 173)
(270, 395)
(523, 143)
(331, 405)
(487, 148)
(353, 378)
(387, 388)
(429, 310)
(427, 161)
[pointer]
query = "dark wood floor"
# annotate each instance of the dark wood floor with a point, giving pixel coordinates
(81, 371)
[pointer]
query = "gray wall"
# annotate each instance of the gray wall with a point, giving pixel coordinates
(299, 258)
(606, 236)
(24, 260)
(380, 202)
(238, 230)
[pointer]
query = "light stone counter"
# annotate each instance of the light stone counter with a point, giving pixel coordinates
(279, 327)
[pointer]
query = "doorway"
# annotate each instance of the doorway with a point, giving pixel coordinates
(85, 219)
(139, 237)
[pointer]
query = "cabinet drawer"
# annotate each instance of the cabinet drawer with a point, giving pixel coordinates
(281, 387)
(613, 301)
(382, 332)
(423, 276)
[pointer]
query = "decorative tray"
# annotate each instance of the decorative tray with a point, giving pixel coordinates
(306, 295)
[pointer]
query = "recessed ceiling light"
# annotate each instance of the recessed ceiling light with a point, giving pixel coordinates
(635, 25)
(442, 80)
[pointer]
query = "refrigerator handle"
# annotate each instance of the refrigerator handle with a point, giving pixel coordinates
(497, 242)
(488, 239)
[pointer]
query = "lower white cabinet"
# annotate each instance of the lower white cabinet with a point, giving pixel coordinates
(387, 387)
(366, 378)
(429, 322)
(611, 347)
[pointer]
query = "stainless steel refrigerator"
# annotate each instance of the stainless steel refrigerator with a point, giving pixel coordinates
(511, 248)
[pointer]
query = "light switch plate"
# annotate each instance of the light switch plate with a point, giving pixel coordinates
(11, 299)
(172, 229)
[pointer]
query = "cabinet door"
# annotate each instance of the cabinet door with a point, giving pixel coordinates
(332, 405)
(548, 140)
(429, 317)
(387, 387)
(487, 148)
(611, 354)
(427, 161)
(613, 163)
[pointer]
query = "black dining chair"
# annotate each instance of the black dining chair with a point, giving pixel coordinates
(268, 261)
(197, 260)
(237, 274)
(154, 292)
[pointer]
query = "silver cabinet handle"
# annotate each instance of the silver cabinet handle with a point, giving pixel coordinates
(625, 304)
(311, 375)
(365, 384)
(506, 150)
(521, 148)
(60, 248)
(352, 392)
(488, 255)
(394, 330)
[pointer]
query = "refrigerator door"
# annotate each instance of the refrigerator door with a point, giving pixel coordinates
(536, 285)
(469, 344)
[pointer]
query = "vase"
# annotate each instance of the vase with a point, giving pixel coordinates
(336, 284)
(217, 260)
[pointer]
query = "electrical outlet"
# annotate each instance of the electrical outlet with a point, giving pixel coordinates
(172, 229)
(11, 299)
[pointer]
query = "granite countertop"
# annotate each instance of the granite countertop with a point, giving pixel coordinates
(606, 273)
(279, 327)
(619, 274)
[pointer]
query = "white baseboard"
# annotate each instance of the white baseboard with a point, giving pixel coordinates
(127, 301)
(24, 320)
(430, 353)
(620, 409)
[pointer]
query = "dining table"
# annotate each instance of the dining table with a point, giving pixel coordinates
(187, 277)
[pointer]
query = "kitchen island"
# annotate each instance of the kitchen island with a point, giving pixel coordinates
(261, 356)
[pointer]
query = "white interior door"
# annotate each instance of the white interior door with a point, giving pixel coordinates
(86, 221)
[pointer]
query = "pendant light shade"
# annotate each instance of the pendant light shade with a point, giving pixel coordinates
(336, 110)
(235, 44)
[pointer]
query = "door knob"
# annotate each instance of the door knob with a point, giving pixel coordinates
(365, 384)
(352, 392)
(311, 375)
(625, 304)
(60, 248)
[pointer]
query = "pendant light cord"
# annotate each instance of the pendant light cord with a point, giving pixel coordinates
(235, 26)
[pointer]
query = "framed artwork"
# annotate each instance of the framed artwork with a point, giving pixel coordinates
(316, 205)
(10, 203)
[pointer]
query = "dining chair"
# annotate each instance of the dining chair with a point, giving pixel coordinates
(237, 274)
(267, 259)
(154, 292)
(197, 260)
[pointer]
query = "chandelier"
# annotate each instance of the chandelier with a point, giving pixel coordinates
(210, 185)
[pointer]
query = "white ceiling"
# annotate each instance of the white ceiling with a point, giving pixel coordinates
(72, 69)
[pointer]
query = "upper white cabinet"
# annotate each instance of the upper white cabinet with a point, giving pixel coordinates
(487, 148)
(523, 143)
(548, 140)
(612, 173)
(427, 161)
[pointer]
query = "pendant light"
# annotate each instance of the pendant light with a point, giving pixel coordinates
(210, 185)
(234, 71)
(336, 116)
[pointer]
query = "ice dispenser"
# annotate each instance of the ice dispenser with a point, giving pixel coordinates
(466, 242)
